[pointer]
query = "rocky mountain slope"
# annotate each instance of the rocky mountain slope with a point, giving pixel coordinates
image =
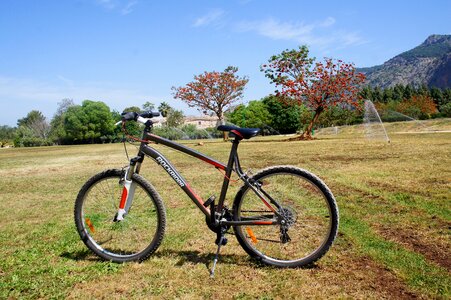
(429, 63)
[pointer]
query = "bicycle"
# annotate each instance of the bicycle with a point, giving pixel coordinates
(282, 216)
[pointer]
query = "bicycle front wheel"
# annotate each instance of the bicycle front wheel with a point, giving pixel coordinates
(135, 237)
(306, 215)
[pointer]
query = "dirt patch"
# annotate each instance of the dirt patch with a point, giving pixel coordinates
(409, 238)
(350, 275)
(382, 279)
(362, 277)
(346, 191)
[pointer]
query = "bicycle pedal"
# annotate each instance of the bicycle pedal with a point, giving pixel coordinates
(223, 241)
(209, 201)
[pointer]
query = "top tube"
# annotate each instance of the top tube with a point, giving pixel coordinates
(160, 140)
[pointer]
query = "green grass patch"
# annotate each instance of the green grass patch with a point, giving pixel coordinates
(410, 266)
(394, 202)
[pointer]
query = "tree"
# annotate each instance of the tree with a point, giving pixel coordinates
(148, 106)
(37, 123)
(408, 92)
(213, 91)
(57, 131)
(64, 105)
(437, 95)
(164, 108)
(398, 92)
(133, 128)
(6, 134)
(418, 107)
(319, 85)
(254, 115)
(33, 130)
(91, 122)
(174, 118)
(287, 117)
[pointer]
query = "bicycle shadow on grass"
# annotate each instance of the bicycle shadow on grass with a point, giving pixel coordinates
(79, 255)
(196, 257)
(184, 257)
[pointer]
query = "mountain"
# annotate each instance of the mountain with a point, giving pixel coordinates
(429, 63)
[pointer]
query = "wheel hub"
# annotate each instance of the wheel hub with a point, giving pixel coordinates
(288, 215)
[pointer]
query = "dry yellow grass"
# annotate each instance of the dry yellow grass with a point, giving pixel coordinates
(394, 201)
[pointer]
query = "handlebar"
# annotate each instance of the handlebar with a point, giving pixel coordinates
(141, 117)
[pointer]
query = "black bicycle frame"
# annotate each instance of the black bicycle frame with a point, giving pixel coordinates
(145, 149)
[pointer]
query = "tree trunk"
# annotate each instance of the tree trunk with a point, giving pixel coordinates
(221, 121)
(307, 134)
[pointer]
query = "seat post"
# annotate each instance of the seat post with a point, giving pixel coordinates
(228, 174)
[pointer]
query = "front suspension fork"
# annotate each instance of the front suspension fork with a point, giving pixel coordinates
(128, 190)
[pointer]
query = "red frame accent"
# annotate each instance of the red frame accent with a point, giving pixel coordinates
(217, 165)
(123, 198)
(237, 133)
(263, 222)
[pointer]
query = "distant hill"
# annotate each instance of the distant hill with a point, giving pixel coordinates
(428, 63)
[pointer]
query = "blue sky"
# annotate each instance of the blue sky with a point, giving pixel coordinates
(127, 52)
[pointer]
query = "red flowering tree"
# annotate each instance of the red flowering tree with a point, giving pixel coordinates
(318, 85)
(213, 91)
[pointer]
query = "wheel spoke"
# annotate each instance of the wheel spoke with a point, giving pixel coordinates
(136, 236)
(307, 218)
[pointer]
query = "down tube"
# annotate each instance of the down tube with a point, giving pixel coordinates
(172, 171)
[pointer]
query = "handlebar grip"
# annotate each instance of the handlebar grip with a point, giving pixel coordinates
(150, 114)
(128, 116)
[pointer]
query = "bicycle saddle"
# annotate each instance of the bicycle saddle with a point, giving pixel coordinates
(242, 133)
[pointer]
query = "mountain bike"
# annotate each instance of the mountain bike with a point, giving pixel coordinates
(282, 216)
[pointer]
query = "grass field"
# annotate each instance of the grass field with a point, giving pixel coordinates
(393, 241)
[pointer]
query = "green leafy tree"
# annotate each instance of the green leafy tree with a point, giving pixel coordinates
(365, 93)
(387, 95)
(133, 128)
(164, 108)
(148, 106)
(286, 116)
(7, 134)
(437, 95)
(254, 115)
(337, 116)
(377, 94)
(408, 92)
(37, 122)
(92, 122)
(398, 93)
(175, 118)
(33, 130)
(57, 130)
(445, 110)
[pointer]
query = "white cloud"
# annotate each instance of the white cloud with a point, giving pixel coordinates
(67, 81)
(320, 34)
(210, 18)
(108, 4)
(277, 30)
(128, 8)
(124, 7)
(328, 22)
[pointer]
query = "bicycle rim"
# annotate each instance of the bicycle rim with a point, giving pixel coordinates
(118, 240)
(310, 216)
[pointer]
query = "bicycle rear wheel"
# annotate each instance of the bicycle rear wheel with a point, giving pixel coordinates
(137, 236)
(308, 208)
